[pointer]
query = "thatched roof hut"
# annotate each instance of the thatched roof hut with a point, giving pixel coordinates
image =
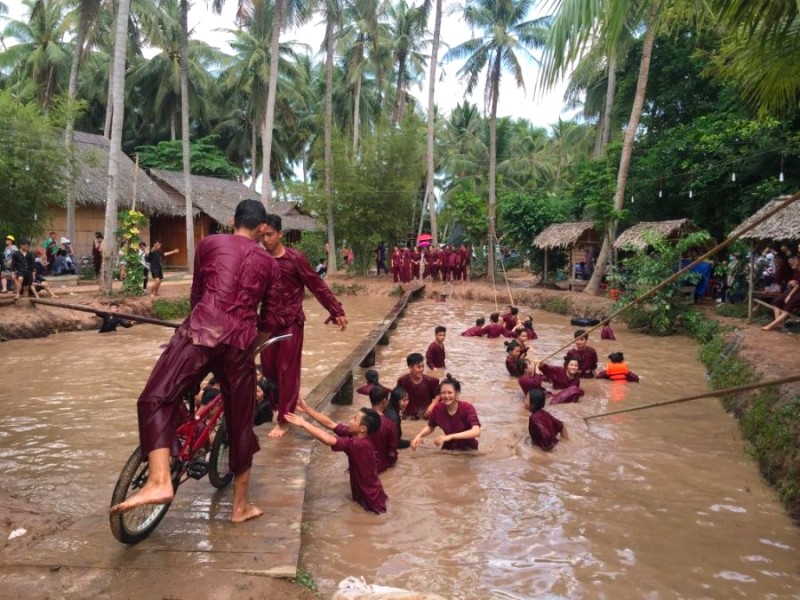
(562, 235)
(784, 225)
(633, 237)
(91, 153)
(218, 199)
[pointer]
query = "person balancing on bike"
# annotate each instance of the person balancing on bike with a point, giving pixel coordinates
(232, 275)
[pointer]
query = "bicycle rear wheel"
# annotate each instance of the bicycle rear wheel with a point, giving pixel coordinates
(219, 469)
(133, 526)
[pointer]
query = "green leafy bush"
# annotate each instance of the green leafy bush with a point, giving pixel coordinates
(171, 309)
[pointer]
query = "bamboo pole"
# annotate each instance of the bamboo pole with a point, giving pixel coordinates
(712, 394)
(102, 313)
(724, 244)
(135, 182)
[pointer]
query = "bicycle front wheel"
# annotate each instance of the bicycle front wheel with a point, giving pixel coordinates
(133, 526)
(219, 469)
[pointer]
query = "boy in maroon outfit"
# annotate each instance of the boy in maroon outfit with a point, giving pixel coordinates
(509, 318)
(423, 390)
(364, 482)
(435, 355)
(543, 427)
(234, 272)
(495, 329)
(282, 366)
(475, 330)
(584, 354)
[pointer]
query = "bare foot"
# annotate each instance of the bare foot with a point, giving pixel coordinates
(251, 511)
(278, 431)
(147, 495)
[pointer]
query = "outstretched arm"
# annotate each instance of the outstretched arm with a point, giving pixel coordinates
(472, 433)
(320, 434)
(320, 418)
(417, 441)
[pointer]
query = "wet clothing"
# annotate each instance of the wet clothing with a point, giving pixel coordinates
(232, 275)
(365, 389)
(607, 333)
(509, 321)
(515, 366)
(544, 429)
(587, 361)
(281, 362)
(464, 419)
(420, 395)
(558, 376)
(565, 396)
(495, 330)
(364, 482)
(529, 382)
(473, 331)
(111, 322)
(618, 372)
(394, 416)
(434, 356)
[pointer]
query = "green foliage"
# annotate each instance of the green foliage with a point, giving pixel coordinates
(171, 309)
(699, 327)
(556, 304)
(131, 223)
(33, 169)
(312, 245)
(206, 158)
(660, 313)
(306, 580)
(736, 311)
(376, 191)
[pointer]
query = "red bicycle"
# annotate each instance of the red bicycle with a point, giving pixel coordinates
(203, 450)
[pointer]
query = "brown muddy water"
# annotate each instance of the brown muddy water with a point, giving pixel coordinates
(655, 504)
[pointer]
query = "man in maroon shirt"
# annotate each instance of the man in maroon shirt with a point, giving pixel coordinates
(495, 329)
(435, 355)
(282, 366)
(584, 354)
(234, 272)
(509, 318)
(364, 482)
(423, 390)
(475, 330)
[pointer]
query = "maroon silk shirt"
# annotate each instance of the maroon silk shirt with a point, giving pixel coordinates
(384, 441)
(544, 429)
(434, 357)
(473, 331)
(558, 377)
(587, 360)
(420, 395)
(296, 275)
(232, 274)
(464, 420)
(364, 482)
(495, 330)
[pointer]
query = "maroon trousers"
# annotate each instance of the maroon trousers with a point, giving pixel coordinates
(182, 366)
(281, 364)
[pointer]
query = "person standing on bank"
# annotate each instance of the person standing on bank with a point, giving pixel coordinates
(155, 257)
(282, 365)
(233, 272)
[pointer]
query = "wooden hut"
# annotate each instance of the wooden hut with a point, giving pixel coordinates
(572, 238)
(214, 202)
(633, 237)
(783, 226)
(90, 183)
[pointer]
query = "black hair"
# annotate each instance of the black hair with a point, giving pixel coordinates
(581, 333)
(512, 345)
(494, 317)
(52, 233)
(616, 357)
(536, 397)
(514, 310)
(569, 359)
(371, 420)
(323, 259)
(414, 358)
(371, 376)
(450, 380)
(440, 329)
(528, 322)
(480, 322)
(395, 396)
(249, 214)
(24, 243)
(61, 252)
(98, 235)
(274, 221)
(377, 395)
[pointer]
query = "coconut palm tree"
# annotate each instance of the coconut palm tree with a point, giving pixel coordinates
(333, 19)
(115, 150)
(407, 26)
(508, 35)
(429, 198)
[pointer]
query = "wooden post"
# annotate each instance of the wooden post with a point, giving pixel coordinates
(546, 252)
(135, 182)
(750, 284)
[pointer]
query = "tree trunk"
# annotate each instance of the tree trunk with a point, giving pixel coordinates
(185, 141)
(173, 126)
(253, 156)
(627, 148)
(611, 90)
(429, 197)
(495, 83)
(356, 114)
(109, 101)
(399, 96)
(115, 149)
(328, 152)
(69, 129)
(272, 90)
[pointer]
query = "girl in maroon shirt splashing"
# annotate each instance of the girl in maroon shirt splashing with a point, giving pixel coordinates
(456, 418)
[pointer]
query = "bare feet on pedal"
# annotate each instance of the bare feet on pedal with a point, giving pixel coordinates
(147, 495)
(278, 431)
(250, 511)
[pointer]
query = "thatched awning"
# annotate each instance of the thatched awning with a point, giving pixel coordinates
(633, 236)
(562, 235)
(218, 198)
(91, 154)
(784, 225)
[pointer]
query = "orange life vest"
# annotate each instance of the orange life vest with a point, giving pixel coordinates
(617, 371)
